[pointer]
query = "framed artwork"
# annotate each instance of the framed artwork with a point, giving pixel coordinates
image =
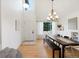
(47, 26)
(60, 27)
(72, 23)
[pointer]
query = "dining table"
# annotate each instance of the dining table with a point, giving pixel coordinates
(63, 42)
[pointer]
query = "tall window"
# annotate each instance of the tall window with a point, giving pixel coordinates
(47, 26)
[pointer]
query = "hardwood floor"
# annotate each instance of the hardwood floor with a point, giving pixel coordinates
(40, 50)
(33, 50)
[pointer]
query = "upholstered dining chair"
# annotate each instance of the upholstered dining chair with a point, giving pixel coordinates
(67, 37)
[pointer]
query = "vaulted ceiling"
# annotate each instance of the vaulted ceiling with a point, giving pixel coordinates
(65, 7)
(62, 7)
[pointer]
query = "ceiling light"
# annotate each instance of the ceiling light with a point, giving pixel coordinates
(48, 18)
(49, 14)
(53, 15)
(56, 16)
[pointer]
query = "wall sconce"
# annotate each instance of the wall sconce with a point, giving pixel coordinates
(60, 27)
(26, 4)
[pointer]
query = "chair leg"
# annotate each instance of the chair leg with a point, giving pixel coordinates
(53, 54)
(59, 53)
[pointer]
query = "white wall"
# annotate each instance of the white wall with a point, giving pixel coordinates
(29, 23)
(10, 11)
(43, 8)
(65, 23)
(0, 25)
(39, 28)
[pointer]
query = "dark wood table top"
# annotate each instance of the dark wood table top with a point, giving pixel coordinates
(64, 41)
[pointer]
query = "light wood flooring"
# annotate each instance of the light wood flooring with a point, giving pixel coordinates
(40, 50)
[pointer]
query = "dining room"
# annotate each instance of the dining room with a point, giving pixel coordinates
(66, 37)
(65, 29)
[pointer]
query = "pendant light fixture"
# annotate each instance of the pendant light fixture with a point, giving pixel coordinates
(26, 4)
(52, 16)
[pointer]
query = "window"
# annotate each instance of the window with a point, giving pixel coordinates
(47, 26)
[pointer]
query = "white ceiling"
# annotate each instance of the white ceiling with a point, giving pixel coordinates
(65, 7)
(62, 7)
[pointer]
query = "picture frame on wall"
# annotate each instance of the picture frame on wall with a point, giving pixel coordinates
(72, 23)
(60, 27)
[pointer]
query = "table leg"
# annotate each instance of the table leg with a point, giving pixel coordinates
(63, 51)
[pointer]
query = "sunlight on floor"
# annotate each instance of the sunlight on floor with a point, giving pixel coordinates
(40, 50)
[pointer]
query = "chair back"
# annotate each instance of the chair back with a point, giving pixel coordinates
(58, 35)
(67, 37)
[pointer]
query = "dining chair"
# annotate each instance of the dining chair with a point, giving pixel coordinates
(67, 37)
(58, 35)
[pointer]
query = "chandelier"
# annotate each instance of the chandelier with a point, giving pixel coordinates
(52, 16)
